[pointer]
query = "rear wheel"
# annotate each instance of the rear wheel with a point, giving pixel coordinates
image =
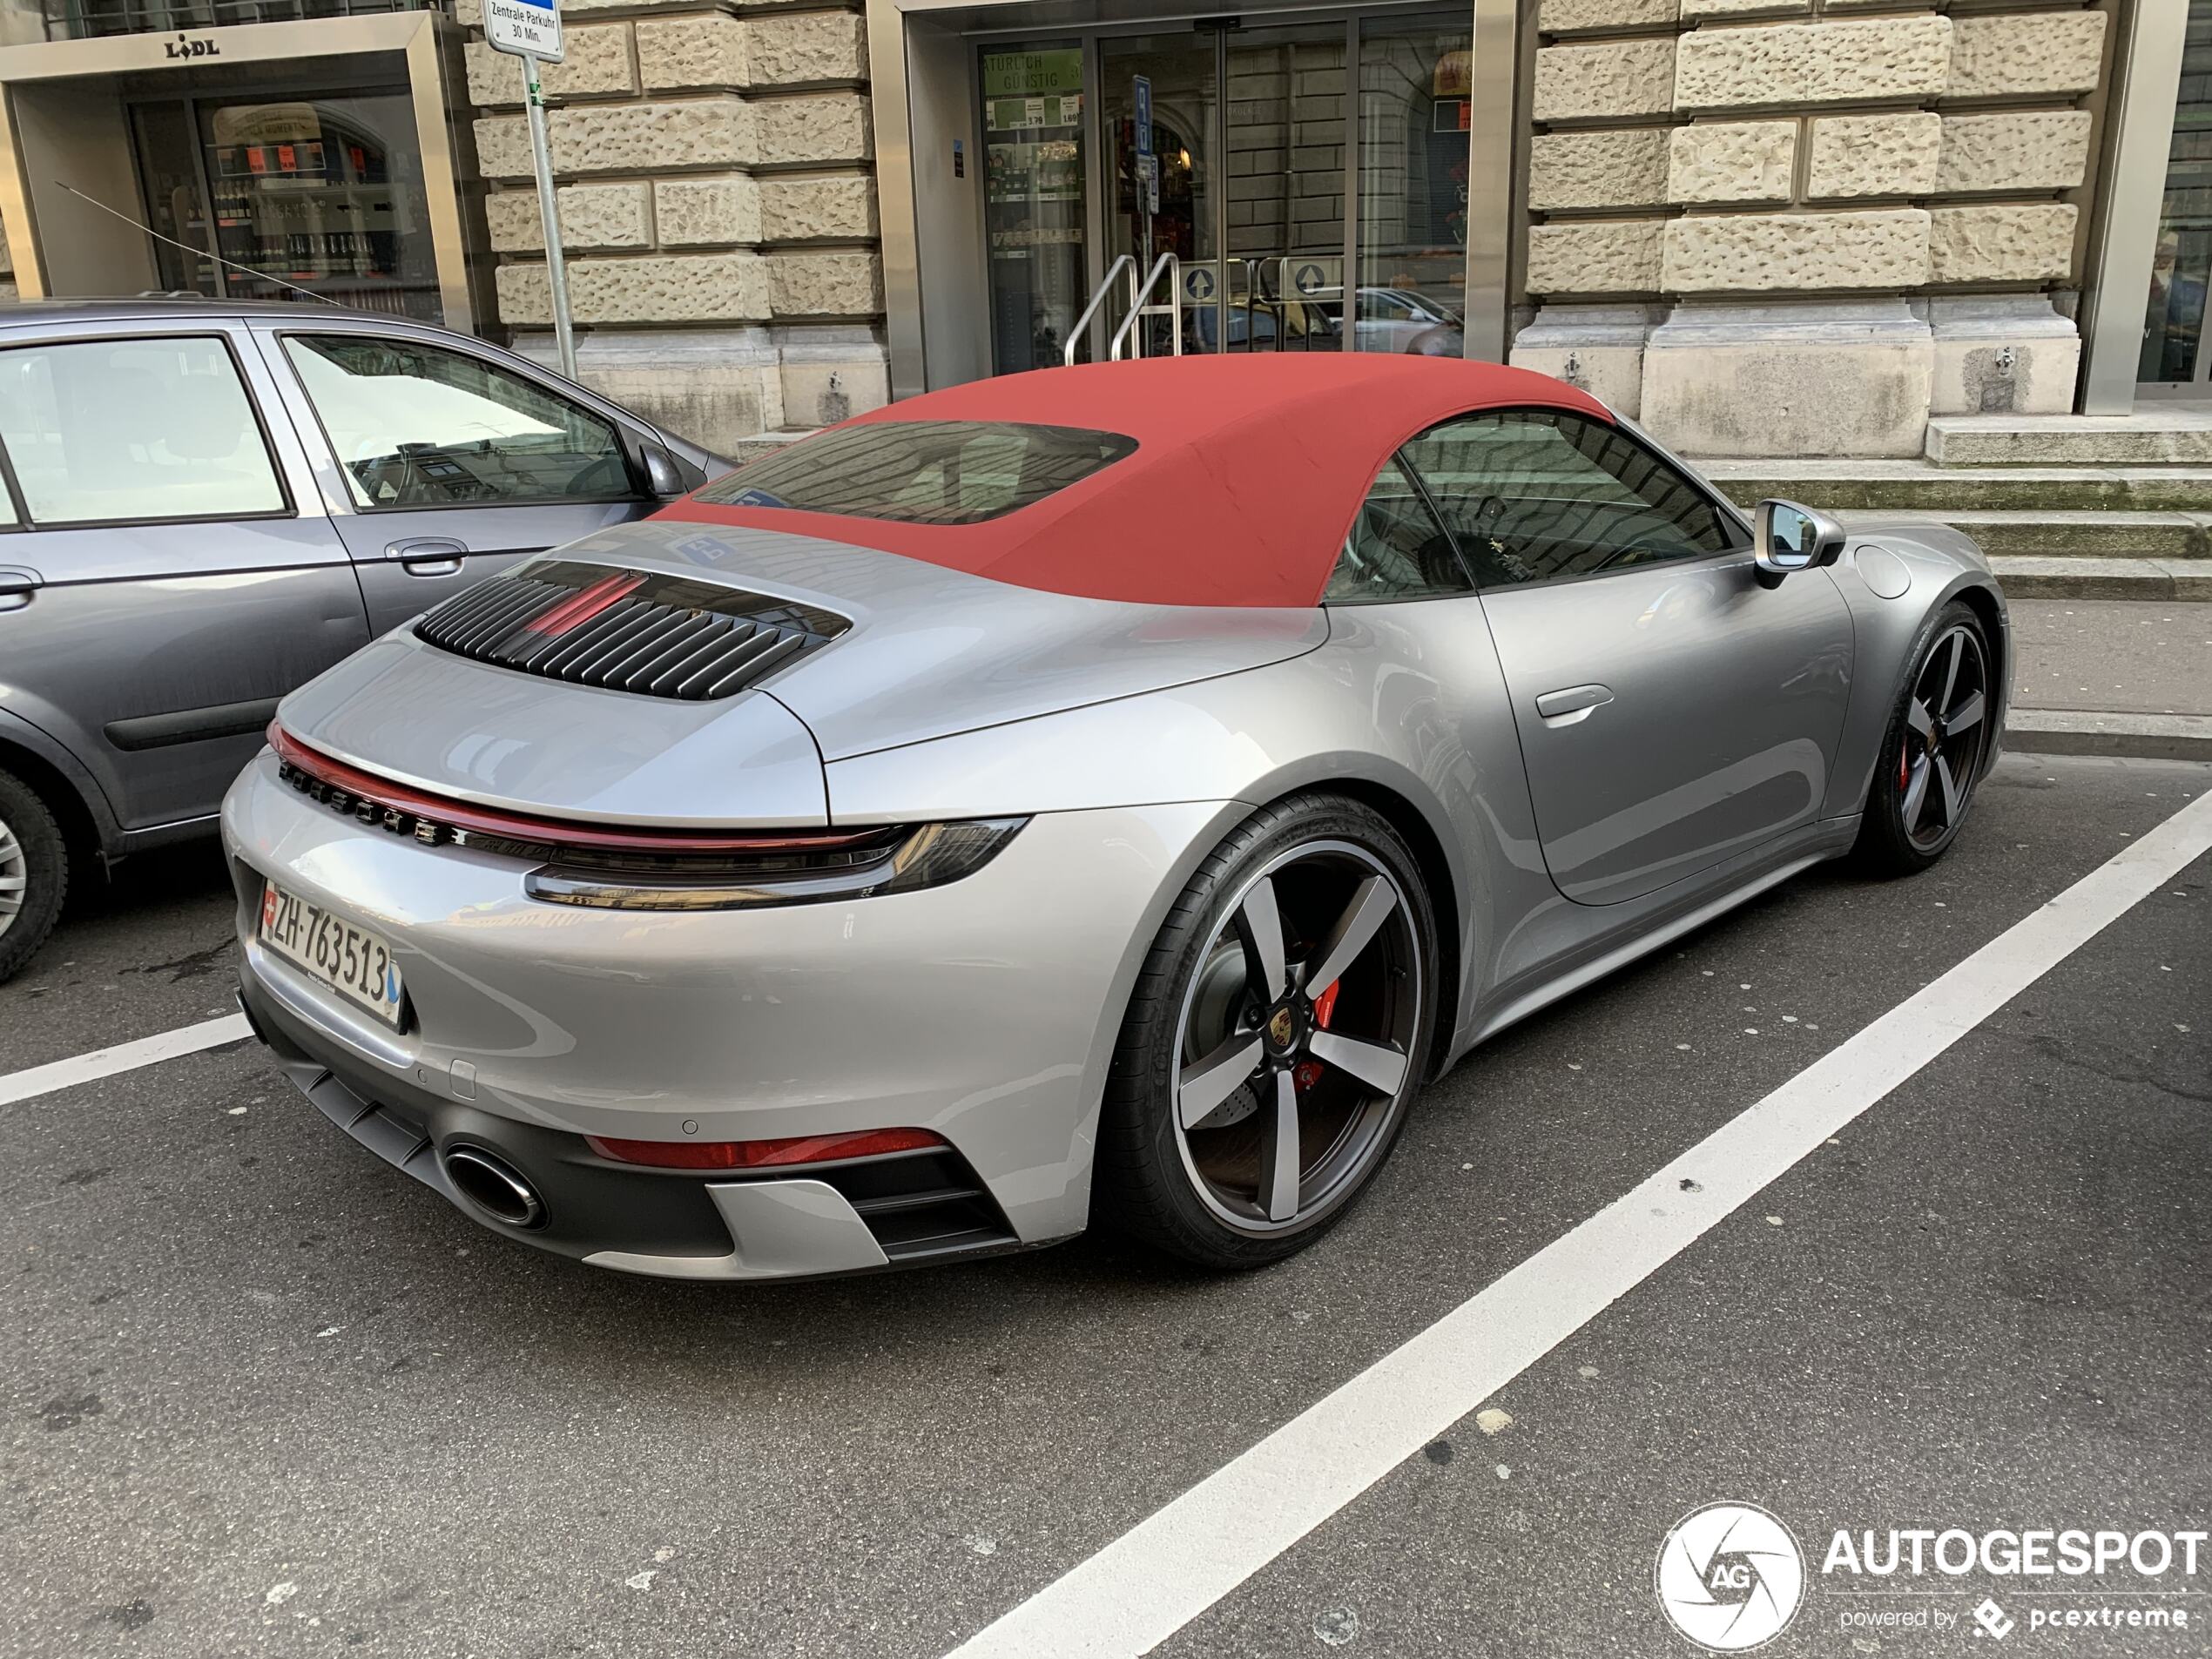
(1932, 755)
(34, 873)
(1276, 1037)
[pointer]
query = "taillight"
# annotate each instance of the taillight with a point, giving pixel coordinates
(658, 869)
(756, 1154)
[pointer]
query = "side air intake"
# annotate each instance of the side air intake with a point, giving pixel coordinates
(628, 630)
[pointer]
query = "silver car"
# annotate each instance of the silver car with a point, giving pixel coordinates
(1108, 791)
(207, 503)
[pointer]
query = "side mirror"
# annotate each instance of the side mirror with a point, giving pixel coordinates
(1789, 537)
(664, 477)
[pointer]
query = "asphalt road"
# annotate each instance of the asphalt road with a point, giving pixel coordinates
(262, 1395)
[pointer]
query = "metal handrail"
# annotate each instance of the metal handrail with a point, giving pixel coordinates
(1167, 264)
(1106, 287)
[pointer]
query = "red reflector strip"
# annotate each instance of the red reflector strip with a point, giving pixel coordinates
(583, 605)
(554, 832)
(757, 1155)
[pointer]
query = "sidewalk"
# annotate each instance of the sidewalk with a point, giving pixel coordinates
(2112, 677)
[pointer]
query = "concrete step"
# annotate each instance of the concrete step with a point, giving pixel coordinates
(2150, 437)
(2065, 535)
(2186, 580)
(1835, 486)
(2144, 737)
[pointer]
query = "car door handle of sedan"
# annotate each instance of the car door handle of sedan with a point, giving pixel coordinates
(429, 554)
(1572, 704)
(16, 585)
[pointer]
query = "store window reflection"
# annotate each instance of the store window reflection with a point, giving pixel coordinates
(1286, 147)
(1415, 103)
(1032, 201)
(2182, 261)
(1185, 107)
(320, 194)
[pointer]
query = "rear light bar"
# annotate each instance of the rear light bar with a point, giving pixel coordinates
(760, 1155)
(435, 819)
(650, 869)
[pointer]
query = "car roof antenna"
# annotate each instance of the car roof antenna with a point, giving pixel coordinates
(199, 252)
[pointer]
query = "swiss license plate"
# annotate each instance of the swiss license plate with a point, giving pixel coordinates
(351, 960)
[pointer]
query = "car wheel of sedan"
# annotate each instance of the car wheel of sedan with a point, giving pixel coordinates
(1277, 1031)
(1932, 755)
(34, 873)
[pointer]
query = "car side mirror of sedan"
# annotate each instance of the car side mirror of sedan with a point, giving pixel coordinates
(1789, 537)
(664, 477)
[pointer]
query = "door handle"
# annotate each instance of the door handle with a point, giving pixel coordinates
(1573, 704)
(16, 586)
(429, 554)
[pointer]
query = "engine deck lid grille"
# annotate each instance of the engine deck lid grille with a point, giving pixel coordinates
(628, 630)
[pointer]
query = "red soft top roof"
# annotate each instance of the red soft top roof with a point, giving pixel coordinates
(1247, 472)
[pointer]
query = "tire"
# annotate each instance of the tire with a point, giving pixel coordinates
(1929, 764)
(1341, 1060)
(34, 873)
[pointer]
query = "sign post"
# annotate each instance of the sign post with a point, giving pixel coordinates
(530, 29)
(1148, 165)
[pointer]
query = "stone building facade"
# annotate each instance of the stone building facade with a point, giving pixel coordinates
(718, 211)
(1800, 227)
(1765, 228)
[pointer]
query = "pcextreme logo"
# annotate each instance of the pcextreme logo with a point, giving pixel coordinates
(1730, 1577)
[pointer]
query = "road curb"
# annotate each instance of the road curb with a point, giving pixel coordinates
(2142, 736)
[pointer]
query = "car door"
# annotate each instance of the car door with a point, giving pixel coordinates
(167, 573)
(446, 464)
(1672, 712)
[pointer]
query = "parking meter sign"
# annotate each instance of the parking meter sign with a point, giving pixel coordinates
(527, 28)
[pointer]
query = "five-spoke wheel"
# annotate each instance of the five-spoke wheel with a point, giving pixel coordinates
(1946, 716)
(1267, 1065)
(1936, 746)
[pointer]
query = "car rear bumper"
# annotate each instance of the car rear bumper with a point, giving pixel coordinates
(985, 1010)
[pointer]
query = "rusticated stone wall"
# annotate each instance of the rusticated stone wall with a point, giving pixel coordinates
(1710, 160)
(717, 208)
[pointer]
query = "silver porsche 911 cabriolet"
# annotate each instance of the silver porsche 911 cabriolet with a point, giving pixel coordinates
(1109, 790)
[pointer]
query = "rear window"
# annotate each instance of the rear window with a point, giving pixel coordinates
(922, 472)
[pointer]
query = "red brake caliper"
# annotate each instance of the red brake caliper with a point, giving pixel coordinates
(1308, 1072)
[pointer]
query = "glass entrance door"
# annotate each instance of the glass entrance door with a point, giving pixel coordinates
(1288, 156)
(1032, 201)
(2175, 362)
(320, 193)
(1186, 117)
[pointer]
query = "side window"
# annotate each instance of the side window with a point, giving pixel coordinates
(418, 426)
(136, 430)
(1534, 494)
(1395, 550)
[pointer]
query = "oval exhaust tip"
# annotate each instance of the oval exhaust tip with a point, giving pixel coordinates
(493, 1186)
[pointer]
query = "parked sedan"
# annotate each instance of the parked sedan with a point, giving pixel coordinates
(206, 504)
(1111, 792)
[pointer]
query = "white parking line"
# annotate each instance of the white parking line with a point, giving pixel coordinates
(1162, 1573)
(123, 1057)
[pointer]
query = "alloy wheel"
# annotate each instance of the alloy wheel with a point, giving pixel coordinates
(1947, 721)
(1294, 1043)
(15, 876)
